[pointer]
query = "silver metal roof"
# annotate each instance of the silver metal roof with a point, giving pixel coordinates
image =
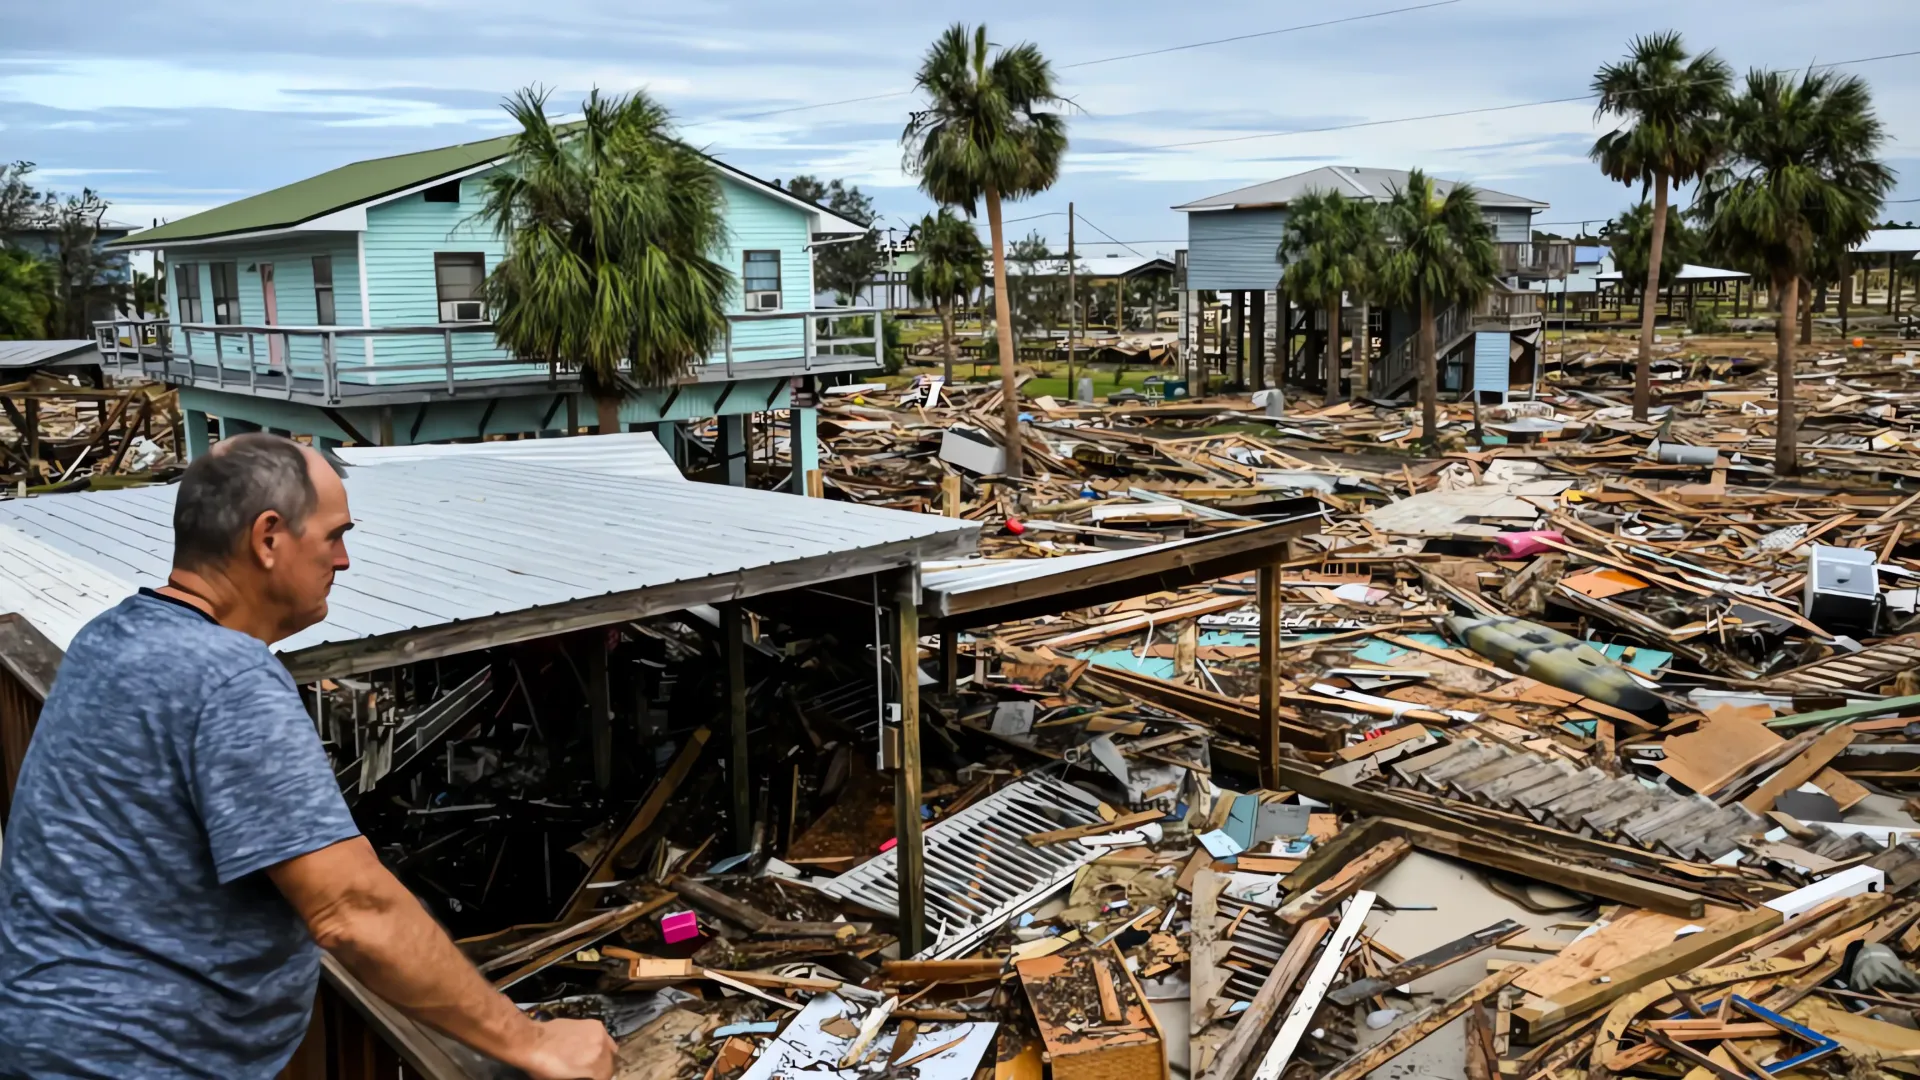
(1889, 242)
(456, 539)
(1689, 272)
(1351, 180)
(36, 354)
(632, 454)
(976, 575)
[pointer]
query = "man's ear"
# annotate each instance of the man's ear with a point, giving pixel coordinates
(266, 537)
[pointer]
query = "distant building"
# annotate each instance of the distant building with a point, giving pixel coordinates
(1233, 242)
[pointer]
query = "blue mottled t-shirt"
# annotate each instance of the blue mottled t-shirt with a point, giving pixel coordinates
(138, 938)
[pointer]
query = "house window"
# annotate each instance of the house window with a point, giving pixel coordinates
(226, 293)
(447, 192)
(457, 276)
(323, 312)
(186, 287)
(760, 280)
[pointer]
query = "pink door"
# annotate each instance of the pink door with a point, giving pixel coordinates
(276, 346)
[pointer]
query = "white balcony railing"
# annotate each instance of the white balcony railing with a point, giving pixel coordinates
(333, 363)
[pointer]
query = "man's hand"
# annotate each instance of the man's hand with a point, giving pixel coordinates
(570, 1050)
(358, 911)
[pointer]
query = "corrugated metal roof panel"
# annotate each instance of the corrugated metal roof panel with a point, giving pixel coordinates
(461, 537)
(1354, 181)
(634, 454)
(33, 354)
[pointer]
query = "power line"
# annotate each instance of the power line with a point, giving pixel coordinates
(1109, 235)
(1089, 63)
(1459, 112)
(1261, 34)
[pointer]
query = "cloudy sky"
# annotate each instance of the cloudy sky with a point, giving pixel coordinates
(170, 106)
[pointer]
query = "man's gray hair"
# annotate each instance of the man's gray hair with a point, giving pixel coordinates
(224, 493)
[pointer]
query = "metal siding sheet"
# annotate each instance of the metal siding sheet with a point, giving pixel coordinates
(1234, 249)
(1491, 357)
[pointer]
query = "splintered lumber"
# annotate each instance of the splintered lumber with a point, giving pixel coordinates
(573, 945)
(1258, 1017)
(1623, 1011)
(1142, 620)
(1391, 739)
(602, 869)
(1099, 828)
(1336, 888)
(942, 971)
(1427, 962)
(606, 920)
(755, 920)
(1804, 767)
(1608, 884)
(1300, 1016)
(1424, 1024)
(1680, 955)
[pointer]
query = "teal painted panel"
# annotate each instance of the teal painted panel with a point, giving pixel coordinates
(758, 222)
(295, 302)
(1645, 661)
(1375, 651)
(1160, 667)
(401, 240)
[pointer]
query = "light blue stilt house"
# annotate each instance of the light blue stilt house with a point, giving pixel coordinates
(346, 307)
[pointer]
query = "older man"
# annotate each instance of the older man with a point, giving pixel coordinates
(178, 852)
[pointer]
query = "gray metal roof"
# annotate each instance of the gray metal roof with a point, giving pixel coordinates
(1889, 242)
(479, 543)
(632, 454)
(39, 354)
(1354, 181)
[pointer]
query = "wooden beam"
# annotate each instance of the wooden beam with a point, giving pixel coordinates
(1427, 962)
(1300, 1016)
(1259, 1015)
(1427, 1022)
(1268, 745)
(909, 845)
(1204, 976)
(1801, 769)
(733, 651)
(1375, 862)
(1119, 824)
(643, 817)
(1567, 874)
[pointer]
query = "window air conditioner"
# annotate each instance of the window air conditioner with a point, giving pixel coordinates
(462, 311)
(763, 301)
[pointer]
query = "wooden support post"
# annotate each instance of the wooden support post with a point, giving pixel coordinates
(733, 645)
(1239, 337)
(33, 436)
(906, 784)
(1257, 326)
(599, 709)
(949, 661)
(1269, 603)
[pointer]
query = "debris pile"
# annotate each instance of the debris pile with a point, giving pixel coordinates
(60, 436)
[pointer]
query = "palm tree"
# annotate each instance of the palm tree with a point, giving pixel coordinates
(985, 134)
(1630, 239)
(609, 224)
(950, 269)
(1325, 251)
(1675, 106)
(1801, 178)
(1440, 251)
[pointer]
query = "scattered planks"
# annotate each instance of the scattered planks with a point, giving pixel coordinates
(1424, 1024)
(1259, 1016)
(1427, 962)
(1300, 1016)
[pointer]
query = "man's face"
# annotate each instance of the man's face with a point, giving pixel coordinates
(303, 563)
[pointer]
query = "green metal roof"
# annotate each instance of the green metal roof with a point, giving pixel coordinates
(317, 196)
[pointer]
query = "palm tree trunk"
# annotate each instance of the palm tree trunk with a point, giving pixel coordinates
(1333, 350)
(1360, 335)
(608, 410)
(1786, 437)
(1009, 394)
(1429, 379)
(947, 345)
(1806, 310)
(1643, 363)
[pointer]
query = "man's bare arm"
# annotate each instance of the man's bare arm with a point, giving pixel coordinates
(357, 910)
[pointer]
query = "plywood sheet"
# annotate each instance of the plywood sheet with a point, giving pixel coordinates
(1630, 935)
(1725, 745)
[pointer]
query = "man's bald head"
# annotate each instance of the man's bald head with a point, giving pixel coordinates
(224, 493)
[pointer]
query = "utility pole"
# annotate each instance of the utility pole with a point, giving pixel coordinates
(1073, 307)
